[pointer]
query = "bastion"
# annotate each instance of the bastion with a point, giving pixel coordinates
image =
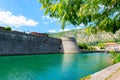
(17, 43)
(69, 45)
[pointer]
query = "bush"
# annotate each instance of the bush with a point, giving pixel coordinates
(8, 28)
(115, 57)
(101, 45)
(91, 48)
(82, 46)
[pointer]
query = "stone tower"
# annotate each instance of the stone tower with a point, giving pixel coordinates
(69, 45)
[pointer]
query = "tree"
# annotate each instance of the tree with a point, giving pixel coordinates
(103, 14)
(101, 45)
(8, 28)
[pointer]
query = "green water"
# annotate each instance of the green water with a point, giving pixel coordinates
(52, 66)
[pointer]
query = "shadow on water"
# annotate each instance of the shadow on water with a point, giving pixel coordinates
(51, 67)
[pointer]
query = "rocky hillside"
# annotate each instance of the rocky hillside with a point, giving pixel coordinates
(91, 39)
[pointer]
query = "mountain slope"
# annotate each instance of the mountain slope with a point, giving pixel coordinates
(92, 39)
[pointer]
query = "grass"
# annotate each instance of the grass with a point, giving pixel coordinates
(86, 77)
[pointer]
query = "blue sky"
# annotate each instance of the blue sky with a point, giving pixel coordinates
(26, 16)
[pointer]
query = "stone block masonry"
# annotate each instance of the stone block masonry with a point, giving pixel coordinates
(69, 45)
(106, 73)
(16, 43)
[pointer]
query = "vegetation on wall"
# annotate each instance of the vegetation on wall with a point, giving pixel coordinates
(8, 28)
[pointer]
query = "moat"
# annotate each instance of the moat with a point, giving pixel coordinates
(52, 66)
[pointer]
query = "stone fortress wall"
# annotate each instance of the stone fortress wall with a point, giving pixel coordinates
(21, 43)
(18, 43)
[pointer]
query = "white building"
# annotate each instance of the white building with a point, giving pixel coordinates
(112, 46)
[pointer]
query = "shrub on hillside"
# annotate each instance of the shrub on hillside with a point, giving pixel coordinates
(101, 45)
(82, 46)
(115, 57)
(91, 48)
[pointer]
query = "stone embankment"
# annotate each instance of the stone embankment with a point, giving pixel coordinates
(109, 73)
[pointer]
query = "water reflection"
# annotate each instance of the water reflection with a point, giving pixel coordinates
(83, 64)
(69, 66)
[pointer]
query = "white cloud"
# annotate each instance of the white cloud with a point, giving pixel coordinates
(52, 31)
(61, 30)
(77, 27)
(7, 17)
(46, 22)
(66, 29)
(80, 26)
(48, 19)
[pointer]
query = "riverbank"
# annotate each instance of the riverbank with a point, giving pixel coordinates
(115, 76)
(109, 73)
(92, 51)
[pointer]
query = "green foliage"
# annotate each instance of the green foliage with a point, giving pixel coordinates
(101, 45)
(115, 57)
(91, 29)
(110, 40)
(83, 46)
(8, 28)
(91, 48)
(56, 35)
(117, 40)
(86, 77)
(103, 13)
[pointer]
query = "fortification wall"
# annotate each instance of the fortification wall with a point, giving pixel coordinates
(20, 43)
(69, 45)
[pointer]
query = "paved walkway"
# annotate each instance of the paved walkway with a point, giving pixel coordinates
(115, 76)
(109, 73)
